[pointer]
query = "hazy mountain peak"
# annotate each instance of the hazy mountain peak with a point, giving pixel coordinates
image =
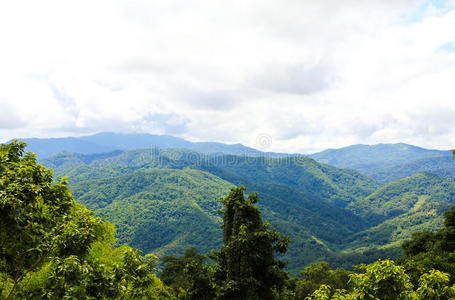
(372, 158)
(110, 141)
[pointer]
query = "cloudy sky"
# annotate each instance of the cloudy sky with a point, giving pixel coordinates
(301, 75)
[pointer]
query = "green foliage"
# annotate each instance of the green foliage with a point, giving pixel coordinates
(169, 195)
(399, 209)
(349, 259)
(432, 250)
(428, 264)
(247, 268)
(435, 285)
(389, 162)
(188, 276)
(38, 218)
(53, 248)
(317, 275)
(375, 159)
(386, 280)
(159, 210)
(420, 192)
(439, 165)
(166, 201)
(382, 280)
(317, 181)
(325, 292)
(420, 242)
(121, 273)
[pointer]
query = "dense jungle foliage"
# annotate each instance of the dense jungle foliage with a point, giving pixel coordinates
(51, 247)
(166, 200)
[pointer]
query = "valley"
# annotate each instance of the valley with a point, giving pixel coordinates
(164, 200)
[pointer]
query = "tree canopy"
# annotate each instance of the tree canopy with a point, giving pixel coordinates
(53, 248)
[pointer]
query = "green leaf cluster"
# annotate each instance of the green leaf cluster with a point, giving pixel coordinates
(53, 248)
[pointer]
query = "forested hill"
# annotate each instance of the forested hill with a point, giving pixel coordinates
(165, 200)
(440, 165)
(55, 248)
(389, 162)
(154, 193)
(409, 205)
(382, 162)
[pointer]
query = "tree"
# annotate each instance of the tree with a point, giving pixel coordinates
(428, 250)
(38, 218)
(246, 265)
(386, 280)
(382, 280)
(316, 275)
(53, 248)
(434, 285)
(189, 276)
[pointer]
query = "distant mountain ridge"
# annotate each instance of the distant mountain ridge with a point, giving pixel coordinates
(389, 162)
(108, 142)
(440, 165)
(382, 162)
(368, 158)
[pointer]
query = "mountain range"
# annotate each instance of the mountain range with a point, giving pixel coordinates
(347, 205)
(108, 141)
(388, 162)
(382, 162)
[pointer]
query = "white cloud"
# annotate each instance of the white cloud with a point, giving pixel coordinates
(309, 74)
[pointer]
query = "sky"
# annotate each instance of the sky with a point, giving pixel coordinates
(292, 76)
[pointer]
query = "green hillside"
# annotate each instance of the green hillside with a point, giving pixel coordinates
(371, 159)
(165, 211)
(440, 165)
(53, 247)
(300, 197)
(403, 207)
(166, 200)
(318, 181)
(159, 209)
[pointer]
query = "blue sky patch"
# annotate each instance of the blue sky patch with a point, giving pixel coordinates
(442, 5)
(447, 47)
